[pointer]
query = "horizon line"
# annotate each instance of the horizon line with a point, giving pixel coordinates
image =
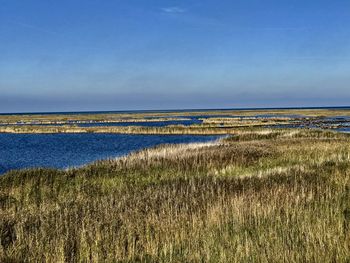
(174, 110)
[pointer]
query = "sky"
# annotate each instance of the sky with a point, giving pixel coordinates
(82, 55)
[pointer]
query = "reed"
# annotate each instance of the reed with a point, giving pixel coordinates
(258, 196)
(172, 129)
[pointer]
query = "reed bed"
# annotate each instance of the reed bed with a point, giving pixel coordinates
(62, 118)
(171, 129)
(215, 122)
(262, 196)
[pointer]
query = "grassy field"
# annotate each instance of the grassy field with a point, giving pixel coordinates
(259, 196)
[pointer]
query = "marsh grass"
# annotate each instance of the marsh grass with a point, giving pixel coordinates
(62, 118)
(171, 129)
(264, 196)
(230, 122)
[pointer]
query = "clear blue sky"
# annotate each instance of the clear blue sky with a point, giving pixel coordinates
(146, 54)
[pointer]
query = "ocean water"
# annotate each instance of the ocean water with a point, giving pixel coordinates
(18, 151)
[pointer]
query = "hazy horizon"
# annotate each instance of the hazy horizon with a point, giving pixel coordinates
(179, 110)
(154, 55)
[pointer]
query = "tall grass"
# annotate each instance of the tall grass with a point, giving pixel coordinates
(274, 196)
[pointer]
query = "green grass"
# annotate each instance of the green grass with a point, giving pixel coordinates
(261, 196)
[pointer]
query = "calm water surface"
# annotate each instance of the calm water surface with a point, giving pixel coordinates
(19, 151)
(345, 129)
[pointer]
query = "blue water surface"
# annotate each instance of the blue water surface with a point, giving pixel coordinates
(344, 129)
(19, 151)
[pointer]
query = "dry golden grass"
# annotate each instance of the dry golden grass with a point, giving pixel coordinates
(176, 129)
(265, 196)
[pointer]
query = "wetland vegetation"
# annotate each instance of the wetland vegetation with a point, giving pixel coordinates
(259, 196)
(175, 122)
